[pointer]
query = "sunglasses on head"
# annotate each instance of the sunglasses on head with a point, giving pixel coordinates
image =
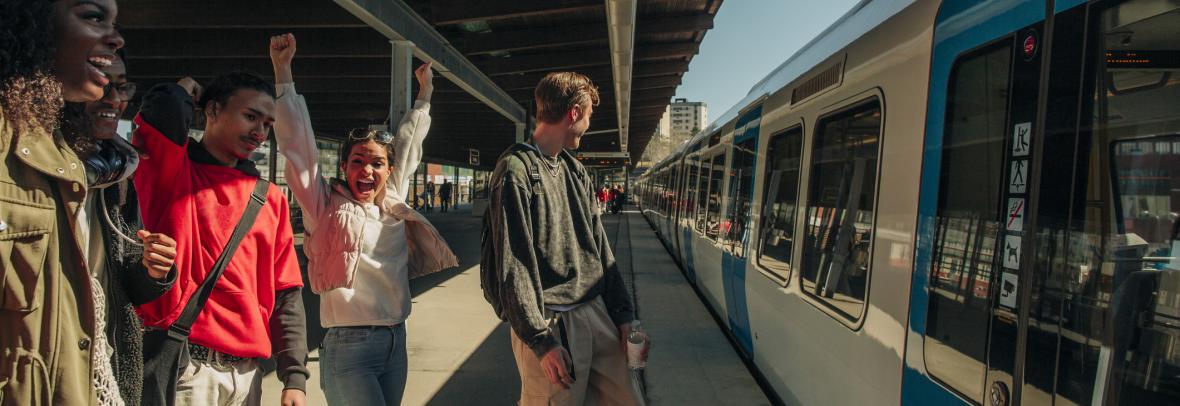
(362, 134)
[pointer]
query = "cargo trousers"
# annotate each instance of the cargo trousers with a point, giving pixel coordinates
(600, 369)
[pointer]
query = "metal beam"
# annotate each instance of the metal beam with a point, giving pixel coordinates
(446, 12)
(656, 82)
(400, 79)
(233, 14)
(653, 51)
(397, 21)
(565, 35)
(550, 61)
(599, 75)
(620, 19)
(218, 43)
(314, 68)
(535, 38)
(673, 24)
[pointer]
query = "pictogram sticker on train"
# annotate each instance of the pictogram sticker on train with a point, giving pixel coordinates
(1018, 179)
(1021, 135)
(1009, 287)
(1011, 252)
(1015, 221)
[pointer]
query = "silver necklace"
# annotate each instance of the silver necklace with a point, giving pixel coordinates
(553, 164)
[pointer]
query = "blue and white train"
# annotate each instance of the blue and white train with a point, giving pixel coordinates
(947, 202)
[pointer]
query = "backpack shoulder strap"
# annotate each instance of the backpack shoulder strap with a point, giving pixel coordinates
(521, 150)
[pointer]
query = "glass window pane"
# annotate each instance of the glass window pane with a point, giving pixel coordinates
(967, 222)
(840, 203)
(692, 167)
(735, 227)
(713, 213)
(703, 193)
(780, 196)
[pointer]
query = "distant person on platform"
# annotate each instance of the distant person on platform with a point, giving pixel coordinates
(444, 194)
(428, 193)
(559, 286)
(603, 196)
(618, 197)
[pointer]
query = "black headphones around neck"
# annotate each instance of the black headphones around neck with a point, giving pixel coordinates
(105, 165)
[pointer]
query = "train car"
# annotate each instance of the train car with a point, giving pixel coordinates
(947, 202)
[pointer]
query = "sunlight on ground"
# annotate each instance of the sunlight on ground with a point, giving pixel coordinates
(448, 324)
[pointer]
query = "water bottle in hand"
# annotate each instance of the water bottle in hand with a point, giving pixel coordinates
(636, 343)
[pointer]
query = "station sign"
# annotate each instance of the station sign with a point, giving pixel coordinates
(473, 157)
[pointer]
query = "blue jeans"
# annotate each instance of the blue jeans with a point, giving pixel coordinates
(364, 365)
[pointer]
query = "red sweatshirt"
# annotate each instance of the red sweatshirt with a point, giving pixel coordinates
(199, 204)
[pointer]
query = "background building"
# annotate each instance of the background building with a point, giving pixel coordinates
(681, 120)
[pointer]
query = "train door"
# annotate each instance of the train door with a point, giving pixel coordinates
(1047, 270)
(706, 245)
(1103, 305)
(736, 226)
(964, 324)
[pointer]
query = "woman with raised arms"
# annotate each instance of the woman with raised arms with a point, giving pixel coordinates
(363, 243)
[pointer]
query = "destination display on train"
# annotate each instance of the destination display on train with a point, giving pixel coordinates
(1165, 59)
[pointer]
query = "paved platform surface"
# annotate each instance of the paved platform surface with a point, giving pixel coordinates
(460, 354)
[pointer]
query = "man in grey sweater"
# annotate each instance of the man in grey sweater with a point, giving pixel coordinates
(560, 288)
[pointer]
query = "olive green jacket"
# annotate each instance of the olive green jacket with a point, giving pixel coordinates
(46, 310)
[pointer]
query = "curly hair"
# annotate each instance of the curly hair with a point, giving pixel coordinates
(30, 94)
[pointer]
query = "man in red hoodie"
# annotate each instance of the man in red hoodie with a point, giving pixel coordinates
(196, 192)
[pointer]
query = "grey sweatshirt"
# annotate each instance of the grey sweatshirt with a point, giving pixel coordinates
(552, 248)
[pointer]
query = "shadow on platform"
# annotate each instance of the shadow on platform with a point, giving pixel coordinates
(487, 377)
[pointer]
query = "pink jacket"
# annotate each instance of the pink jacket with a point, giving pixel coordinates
(333, 221)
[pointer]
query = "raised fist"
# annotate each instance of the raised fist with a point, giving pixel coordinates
(282, 49)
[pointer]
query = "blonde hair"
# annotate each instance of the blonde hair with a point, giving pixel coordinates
(560, 91)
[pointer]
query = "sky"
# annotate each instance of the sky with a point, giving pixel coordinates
(749, 39)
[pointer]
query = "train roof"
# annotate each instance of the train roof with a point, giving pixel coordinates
(863, 17)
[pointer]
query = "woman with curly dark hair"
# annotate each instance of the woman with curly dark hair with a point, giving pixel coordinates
(51, 51)
(123, 274)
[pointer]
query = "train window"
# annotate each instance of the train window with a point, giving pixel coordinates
(840, 203)
(692, 172)
(703, 193)
(780, 196)
(674, 191)
(714, 138)
(734, 229)
(713, 211)
(967, 222)
(664, 192)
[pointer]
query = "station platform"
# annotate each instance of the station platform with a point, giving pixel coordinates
(460, 353)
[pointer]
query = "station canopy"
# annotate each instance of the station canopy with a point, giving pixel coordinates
(491, 55)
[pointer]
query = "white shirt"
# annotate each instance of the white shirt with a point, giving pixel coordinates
(380, 293)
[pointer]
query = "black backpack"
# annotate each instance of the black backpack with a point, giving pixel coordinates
(490, 276)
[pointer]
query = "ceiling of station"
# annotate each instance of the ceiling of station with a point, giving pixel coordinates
(343, 65)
